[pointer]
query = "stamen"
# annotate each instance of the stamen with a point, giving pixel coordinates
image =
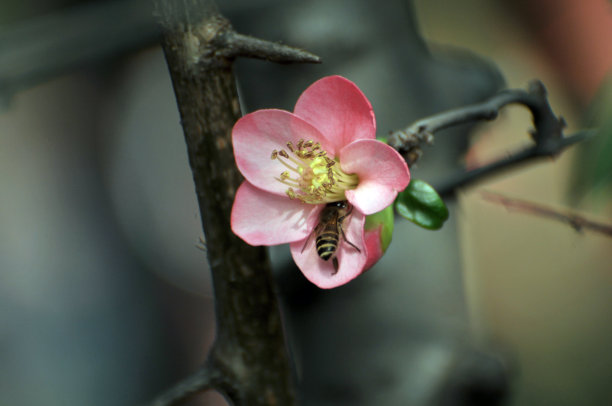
(316, 177)
(289, 182)
(296, 170)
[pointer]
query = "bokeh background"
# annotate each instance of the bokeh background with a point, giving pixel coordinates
(105, 297)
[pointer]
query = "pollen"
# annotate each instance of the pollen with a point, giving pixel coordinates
(311, 175)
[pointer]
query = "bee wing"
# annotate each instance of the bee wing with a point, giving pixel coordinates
(313, 232)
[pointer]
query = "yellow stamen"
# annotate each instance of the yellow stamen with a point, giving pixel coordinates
(315, 178)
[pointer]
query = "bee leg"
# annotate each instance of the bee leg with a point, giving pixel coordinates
(306, 242)
(348, 213)
(341, 229)
(346, 239)
(336, 266)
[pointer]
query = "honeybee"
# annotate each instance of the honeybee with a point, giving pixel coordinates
(330, 229)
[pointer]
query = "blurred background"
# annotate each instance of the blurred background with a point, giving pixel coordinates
(105, 298)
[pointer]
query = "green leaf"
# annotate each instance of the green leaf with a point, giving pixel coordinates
(383, 220)
(383, 139)
(421, 204)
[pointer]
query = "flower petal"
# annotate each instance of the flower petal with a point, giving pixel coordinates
(351, 262)
(374, 248)
(262, 218)
(337, 108)
(382, 174)
(257, 134)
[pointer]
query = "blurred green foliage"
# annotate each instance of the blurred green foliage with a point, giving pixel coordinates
(594, 164)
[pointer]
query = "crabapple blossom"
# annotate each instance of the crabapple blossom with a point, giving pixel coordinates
(297, 164)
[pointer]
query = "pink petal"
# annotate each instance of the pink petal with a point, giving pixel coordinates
(351, 262)
(373, 247)
(257, 134)
(262, 218)
(337, 108)
(382, 174)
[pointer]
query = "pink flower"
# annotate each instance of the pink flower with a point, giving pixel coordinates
(296, 164)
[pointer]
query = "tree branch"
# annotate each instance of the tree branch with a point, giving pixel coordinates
(521, 157)
(547, 133)
(204, 378)
(248, 360)
(548, 127)
(233, 44)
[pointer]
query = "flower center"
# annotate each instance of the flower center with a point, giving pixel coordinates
(312, 176)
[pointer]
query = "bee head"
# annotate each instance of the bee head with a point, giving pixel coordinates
(342, 204)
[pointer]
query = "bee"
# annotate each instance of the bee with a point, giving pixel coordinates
(330, 229)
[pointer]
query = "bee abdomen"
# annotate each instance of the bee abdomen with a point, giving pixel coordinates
(327, 243)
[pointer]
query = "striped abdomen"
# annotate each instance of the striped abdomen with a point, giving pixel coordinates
(327, 241)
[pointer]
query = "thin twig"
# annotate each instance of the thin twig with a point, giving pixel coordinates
(575, 221)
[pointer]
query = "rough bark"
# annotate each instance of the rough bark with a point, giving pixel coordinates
(248, 363)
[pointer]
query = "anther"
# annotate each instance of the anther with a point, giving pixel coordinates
(319, 179)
